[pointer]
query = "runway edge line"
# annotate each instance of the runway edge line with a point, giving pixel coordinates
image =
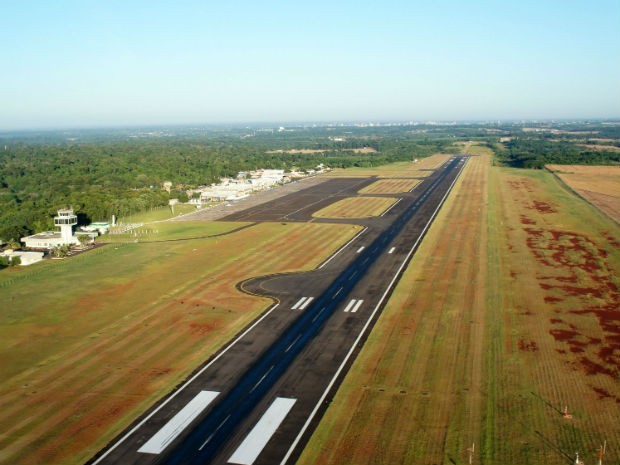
(371, 319)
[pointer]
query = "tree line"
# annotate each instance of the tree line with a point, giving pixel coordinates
(536, 153)
(105, 178)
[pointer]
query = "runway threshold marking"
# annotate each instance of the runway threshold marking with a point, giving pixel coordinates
(392, 250)
(253, 444)
(178, 423)
(360, 249)
(357, 306)
(178, 391)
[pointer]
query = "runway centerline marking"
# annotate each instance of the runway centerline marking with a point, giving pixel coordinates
(293, 343)
(178, 423)
(262, 378)
(213, 434)
(257, 439)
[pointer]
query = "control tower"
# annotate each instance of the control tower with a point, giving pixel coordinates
(65, 221)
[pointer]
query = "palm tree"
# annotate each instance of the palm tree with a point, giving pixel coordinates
(84, 239)
(60, 251)
(12, 244)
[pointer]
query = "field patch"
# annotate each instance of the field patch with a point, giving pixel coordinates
(390, 186)
(87, 344)
(356, 207)
(600, 185)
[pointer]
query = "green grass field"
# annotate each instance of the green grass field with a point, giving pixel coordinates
(170, 231)
(158, 214)
(89, 342)
(356, 207)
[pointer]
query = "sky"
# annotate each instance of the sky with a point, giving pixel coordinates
(90, 63)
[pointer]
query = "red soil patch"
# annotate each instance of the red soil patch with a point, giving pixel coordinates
(526, 220)
(604, 394)
(543, 207)
(521, 184)
(563, 335)
(611, 239)
(586, 280)
(201, 329)
(528, 346)
(593, 368)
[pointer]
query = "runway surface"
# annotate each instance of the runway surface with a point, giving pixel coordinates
(258, 400)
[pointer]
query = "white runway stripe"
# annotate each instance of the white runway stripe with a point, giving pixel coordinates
(360, 249)
(257, 439)
(178, 423)
(392, 250)
(349, 305)
(357, 306)
(306, 303)
(299, 303)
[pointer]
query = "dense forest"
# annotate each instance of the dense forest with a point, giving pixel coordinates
(101, 172)
(537, 152)
(101, 178)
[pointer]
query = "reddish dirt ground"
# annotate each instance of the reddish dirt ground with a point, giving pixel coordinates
(588, 284)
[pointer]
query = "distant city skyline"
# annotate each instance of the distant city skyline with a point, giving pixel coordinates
(111, 64)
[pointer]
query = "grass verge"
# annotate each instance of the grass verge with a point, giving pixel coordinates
(356, 207)
(87, 344)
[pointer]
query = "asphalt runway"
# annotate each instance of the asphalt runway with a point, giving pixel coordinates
(301, 205)
(258, 400)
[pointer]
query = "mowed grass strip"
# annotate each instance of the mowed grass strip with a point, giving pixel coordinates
(158, 214)
(90, 343)
(419, 169)
(390, 186)
(356, 207)
(168, 231)
(414, 393)
(553, 275)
